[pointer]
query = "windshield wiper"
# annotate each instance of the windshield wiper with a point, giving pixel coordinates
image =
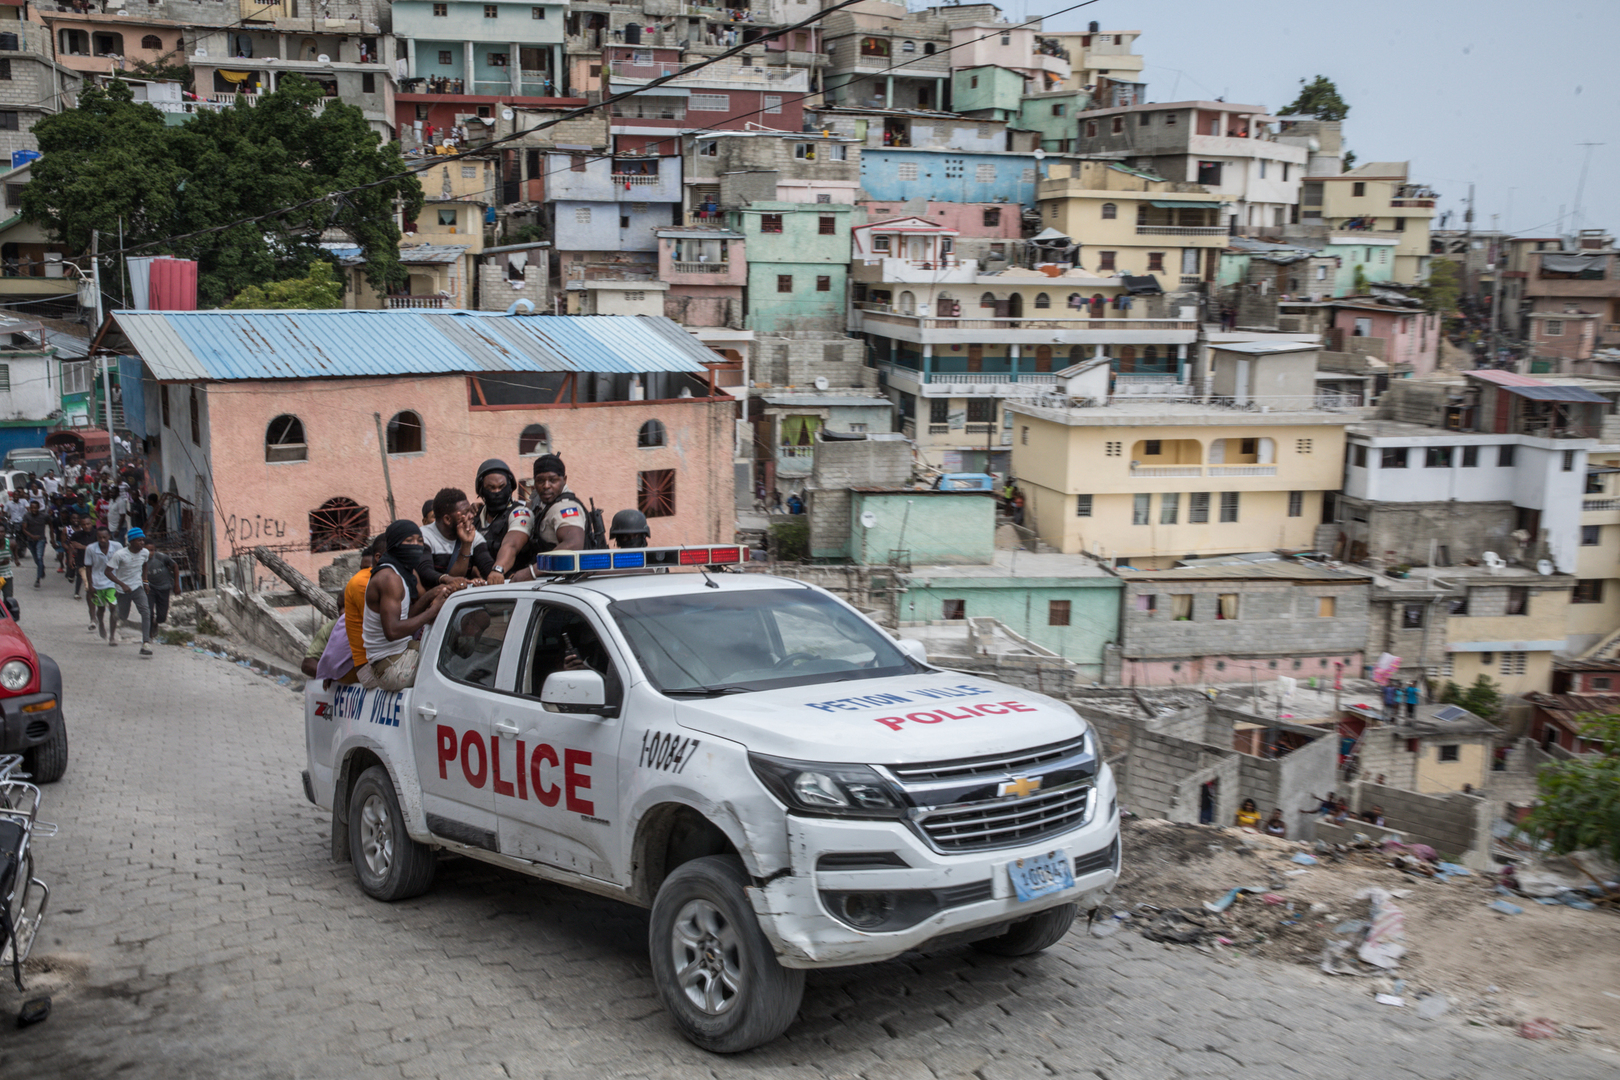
(707, 691)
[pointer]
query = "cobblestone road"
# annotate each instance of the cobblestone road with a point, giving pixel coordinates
(200, 930)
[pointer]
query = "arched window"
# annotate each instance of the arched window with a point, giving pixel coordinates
(534, 441)
(1043, 301)
(908, 304)
(339, 524)
(988, 300)
(1110, 211)
(908, 46)
(284, 439)
(151, 41)
(405, 434)
(652, 434)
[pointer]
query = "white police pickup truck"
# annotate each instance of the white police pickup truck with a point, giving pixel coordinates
(780, 781)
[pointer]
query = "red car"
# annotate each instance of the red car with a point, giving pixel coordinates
(31, 721)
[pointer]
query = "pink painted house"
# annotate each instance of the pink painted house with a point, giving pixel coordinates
(988, 221)
(295, 429)
(1407, 335)
(707, 269)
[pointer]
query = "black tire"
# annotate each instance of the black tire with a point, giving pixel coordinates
(48, 761)
(390, 865)
(1035, 934)
(754, 998)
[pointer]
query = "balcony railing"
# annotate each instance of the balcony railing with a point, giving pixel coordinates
(1167, 470)
(1038, 322)
(1181, 230)
(939, 429)
(636, 179)
(800, 452)
(1412, 202)
(977, 378)
(1600, 504)
(398, 302)
(1243, 470)
(700, 267)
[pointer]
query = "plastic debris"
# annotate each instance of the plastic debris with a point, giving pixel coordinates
(1390, 999)
(1539, 1028)
(1295, 873)
(1272, 898)
(1451, 869)
(1505, 908)
(1350, 926)
(1226, 901)
(1386, 936)
(1304, 860)
(1104, 929)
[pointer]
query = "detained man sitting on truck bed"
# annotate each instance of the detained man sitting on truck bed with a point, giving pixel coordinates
(397, 607)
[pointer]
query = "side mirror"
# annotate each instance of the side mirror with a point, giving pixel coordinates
(582, 691)
(914, 649)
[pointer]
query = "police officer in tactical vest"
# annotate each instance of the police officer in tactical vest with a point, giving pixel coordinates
(555, 522)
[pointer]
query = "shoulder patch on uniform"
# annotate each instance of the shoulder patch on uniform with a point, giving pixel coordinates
(568, 511)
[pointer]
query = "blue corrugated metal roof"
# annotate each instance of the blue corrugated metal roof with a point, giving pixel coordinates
(225, 345)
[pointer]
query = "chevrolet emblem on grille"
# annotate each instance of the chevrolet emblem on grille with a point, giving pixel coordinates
(1019, 787)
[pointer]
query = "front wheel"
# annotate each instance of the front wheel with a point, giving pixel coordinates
(712, 964)
(1032, 935)
(390, 865)
(48, 761)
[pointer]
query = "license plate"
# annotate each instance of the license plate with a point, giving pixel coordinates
(1036, 876)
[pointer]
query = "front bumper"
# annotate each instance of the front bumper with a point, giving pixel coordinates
(21, 730)
(975, 887)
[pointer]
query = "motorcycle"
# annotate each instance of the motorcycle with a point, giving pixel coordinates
(23, 897)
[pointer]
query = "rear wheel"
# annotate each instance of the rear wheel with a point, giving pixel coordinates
(390, 865)
(1032, 935)
(48, 761)
(712, 963)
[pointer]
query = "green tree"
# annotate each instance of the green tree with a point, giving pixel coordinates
(1452, 694)
(1349, 160)
(1359, 287)
(1483, 699)
(111, 161)
(1318, 99)
(320, 288)
(178, 71)
(1441, 291)
(1578, 801)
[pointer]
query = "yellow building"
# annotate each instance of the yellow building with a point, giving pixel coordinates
(1148, 483)
(1508, 624)
(1374, 201)
(440, 248)
(1133, 222)
(1103, 63)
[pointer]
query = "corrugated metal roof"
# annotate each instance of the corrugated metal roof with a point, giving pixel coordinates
(225, 345)
(1264, 348)
(1505, 378)
(1537, 389)
(432, 253)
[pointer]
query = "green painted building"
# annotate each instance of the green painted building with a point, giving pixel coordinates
(989, 93)
(1053, 116)
(913, 527)
(798, 264)
(1065, 603)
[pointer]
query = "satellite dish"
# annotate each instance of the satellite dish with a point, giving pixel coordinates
(323, 59)
(822, 383)
(868, 519)
(1040, 155)
(201, 53)
(1488, 557)
(1544, 567)
(506, 114)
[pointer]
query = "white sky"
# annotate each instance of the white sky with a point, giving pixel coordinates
(1488, 91)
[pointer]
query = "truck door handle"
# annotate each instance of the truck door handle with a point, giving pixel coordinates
(428, 711)
(508, 730)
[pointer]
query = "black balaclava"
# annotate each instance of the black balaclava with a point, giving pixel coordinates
(495, 508)
(406, 559)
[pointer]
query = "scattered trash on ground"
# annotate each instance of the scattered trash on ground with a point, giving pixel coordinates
(1359, 906)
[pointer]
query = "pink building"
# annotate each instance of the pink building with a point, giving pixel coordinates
(706, 270)
(990, 221)
(1408, 335)
(297, 429)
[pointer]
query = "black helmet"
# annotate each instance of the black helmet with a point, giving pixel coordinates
(630, 529)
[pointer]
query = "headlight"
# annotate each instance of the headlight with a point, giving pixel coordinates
(15, 675)
(828, 790)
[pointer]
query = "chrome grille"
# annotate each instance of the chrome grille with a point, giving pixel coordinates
(1023, 761)
(998, 823)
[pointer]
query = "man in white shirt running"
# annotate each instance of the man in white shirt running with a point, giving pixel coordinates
(102, 593)
(127, 569)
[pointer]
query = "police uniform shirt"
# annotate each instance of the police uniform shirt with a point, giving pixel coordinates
(565, 511)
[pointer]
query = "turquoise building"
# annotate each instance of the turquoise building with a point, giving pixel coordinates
(798, 264)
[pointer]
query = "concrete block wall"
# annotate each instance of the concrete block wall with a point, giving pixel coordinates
(1186, 797)
(800, 361)
(1274, 619)
(1384, 754)
(1309, 771)
(841, 464)
(1157, 765)
(1447, 823)
(872, 590)
(496, 291)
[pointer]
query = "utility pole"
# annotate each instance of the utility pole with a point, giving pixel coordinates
(95, 332)
(382, 449)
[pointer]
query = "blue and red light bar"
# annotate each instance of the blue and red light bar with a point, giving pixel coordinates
(650, 558)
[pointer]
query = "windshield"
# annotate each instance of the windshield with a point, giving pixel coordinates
(755, 640)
